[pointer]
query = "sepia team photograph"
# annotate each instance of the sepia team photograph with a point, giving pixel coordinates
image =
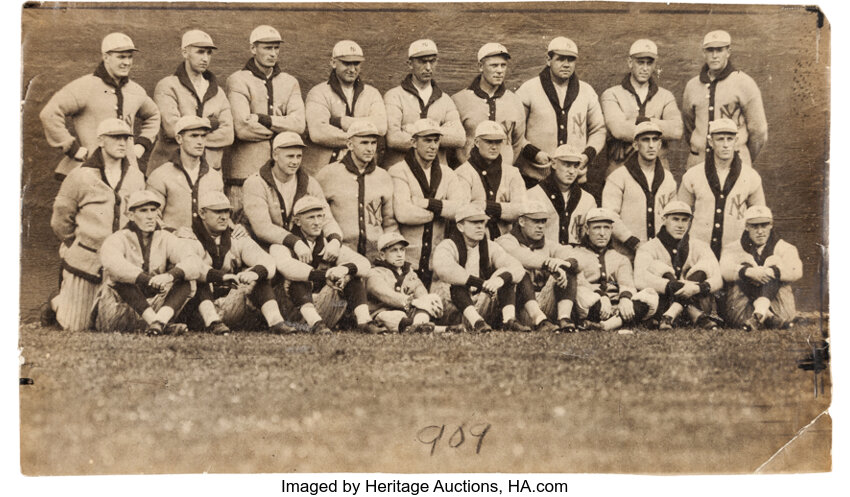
(403, 248)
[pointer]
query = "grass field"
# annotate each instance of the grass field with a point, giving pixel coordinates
(685, 401)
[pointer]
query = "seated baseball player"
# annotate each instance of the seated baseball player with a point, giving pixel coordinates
(565, 201)
(682, 270)
(147, 273)
(236, 279)
(760, 268)
(333, 288)
(552, 269)
(477, 276)
(397, 297)
(495, 186)
(609, 297)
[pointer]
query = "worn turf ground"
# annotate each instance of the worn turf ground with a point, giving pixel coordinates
(679, 402)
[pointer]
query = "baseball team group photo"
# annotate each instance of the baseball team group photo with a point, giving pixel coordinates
(253, 234)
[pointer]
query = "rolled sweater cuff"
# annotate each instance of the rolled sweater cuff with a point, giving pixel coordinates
(352, 268)
(289, 241)
(508, 277)
(261, 271)
(317, 276)
(336, 121)
(177, 273)
(704, 289)
(776, 273)
(590, 152)
(529, 152)
(72, 150)
(215, 276)
(143, 279)
(335, 236)
(474, 281)
(143, 141)
(435, 206)
(265, 120)
(494, 210)
(632, 243)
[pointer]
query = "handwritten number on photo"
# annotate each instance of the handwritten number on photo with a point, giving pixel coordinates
(431, 435)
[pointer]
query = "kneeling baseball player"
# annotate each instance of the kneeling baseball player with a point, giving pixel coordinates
(397, 297)
(477, 276)
(147, 273)
(760, 267)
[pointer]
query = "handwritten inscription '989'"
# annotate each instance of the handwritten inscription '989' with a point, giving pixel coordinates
(431, 435)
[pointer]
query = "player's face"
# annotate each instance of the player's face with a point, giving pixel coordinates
(114, 146)
(145, 217)
(474, 230)
(265, 53)
(363, 148)
(599, 233)
(677, 225)
(641, 68)
(192, 142)
(489, 149)
(648, 145)
(311, 222)
(118, 64)
(716, 57)
(561, 66)
(346, 72)
(566, 172)
(287, 160)
(422, 68)
(198, 58)
(427, 147)
(216, 220)
(533, 229)
(759, 232)
(723, 145)
(395, 254)
(493, 69)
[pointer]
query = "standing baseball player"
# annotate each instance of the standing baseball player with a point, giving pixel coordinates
(559, 110)
(192, 91)
(638, 190)
(760, 267)
(487, 99)
(565, 200)
(334, 105)
(264, 101)
(639, 96)
(359, 193)
(322, 288)
(496, 187)
(477, 276)
(180, 182)
(89, 100)
(426, 194)
(419, 97)
(91, 205)
(397, 297)
(722, 92)
(721, 189)
(552, 269)
(236, 279)
(681, 269)
(147, 273)
(609, 297)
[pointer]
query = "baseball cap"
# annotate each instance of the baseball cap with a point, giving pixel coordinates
(114, 127)
(491, 49)
(717, 38)
(471, 212)
(599, 214)
(677, 207)
(722, 125)
(348, 51)
(197, 38)
(265, 34)
(426, 127)
(214, 200)
(490, 130)
(117, 42)
(568, 153)
(421, 48)
(362, 127)
(142, 197)
(534, 209)
(287, 139)
(389, 239)
(188, 122)
(307, 203)
(563, 46)
(758, 214)
(643, 48)
(645, 127)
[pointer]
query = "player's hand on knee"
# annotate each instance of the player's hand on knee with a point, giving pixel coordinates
(605, 308)
(626, 309)
(331, 251)
(303, 252)
(689, 289)
(493, 285)
(160, 281)
(247, 277)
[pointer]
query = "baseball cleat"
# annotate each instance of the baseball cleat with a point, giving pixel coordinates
(371, 328)
(514, 325)
(420, 328)
(176, 329)
(47, 315)
(282, 328)
(320, 328)
(546, 326)
(666, 323)
(481, 326)
(706, 323)
(218, 328)
(154, 329)
(751, 324)
(566, 325)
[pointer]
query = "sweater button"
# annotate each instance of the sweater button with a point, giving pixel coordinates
(484, 173)
(716, 225)
(719, 211)
(710, 107)
(675, 251)
(722, 196)
(649, 209)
